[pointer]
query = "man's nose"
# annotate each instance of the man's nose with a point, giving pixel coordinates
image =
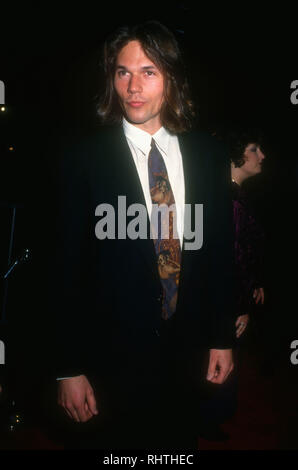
(134, 84)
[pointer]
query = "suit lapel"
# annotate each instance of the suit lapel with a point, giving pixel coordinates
(127, 183)
(194, 169)
(133, 189)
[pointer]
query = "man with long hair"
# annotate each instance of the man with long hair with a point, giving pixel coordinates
(133, 346)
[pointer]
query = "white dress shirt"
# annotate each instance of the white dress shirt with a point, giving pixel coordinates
(139, 142)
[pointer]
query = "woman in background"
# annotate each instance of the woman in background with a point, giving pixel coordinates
(246, 161)
(246, 156)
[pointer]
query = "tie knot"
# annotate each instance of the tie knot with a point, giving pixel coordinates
(153, 144)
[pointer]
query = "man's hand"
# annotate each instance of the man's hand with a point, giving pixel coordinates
(258, 295)
(77, 398)
(241, 324)
(220, 365)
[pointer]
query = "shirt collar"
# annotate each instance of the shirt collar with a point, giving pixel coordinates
(142, 139)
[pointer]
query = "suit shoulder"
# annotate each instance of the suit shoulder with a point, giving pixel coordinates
(103, 135)
(206, 138)
(204, 143)
(78, 151)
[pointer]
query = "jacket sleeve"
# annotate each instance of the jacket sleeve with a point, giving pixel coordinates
(221, 252)
(69, 263)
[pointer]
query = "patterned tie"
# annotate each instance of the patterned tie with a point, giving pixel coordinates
(164, 230)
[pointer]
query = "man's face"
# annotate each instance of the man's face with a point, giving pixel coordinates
(140, 87)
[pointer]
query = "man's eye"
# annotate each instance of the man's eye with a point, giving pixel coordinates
(150, 73)
(121, 73)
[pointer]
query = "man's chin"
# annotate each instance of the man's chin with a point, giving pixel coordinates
(135, 119)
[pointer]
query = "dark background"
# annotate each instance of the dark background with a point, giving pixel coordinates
(240, 66)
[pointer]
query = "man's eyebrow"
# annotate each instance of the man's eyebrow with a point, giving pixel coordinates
(149, 67)
(145, 67)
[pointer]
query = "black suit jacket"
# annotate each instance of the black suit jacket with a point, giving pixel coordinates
(108, 292)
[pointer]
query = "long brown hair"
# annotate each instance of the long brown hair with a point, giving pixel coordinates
(160, 45)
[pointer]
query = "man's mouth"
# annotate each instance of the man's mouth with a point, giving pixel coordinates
(135, 104)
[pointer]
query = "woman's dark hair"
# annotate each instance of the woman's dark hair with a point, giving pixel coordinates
(160, 45)
(237, 139)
